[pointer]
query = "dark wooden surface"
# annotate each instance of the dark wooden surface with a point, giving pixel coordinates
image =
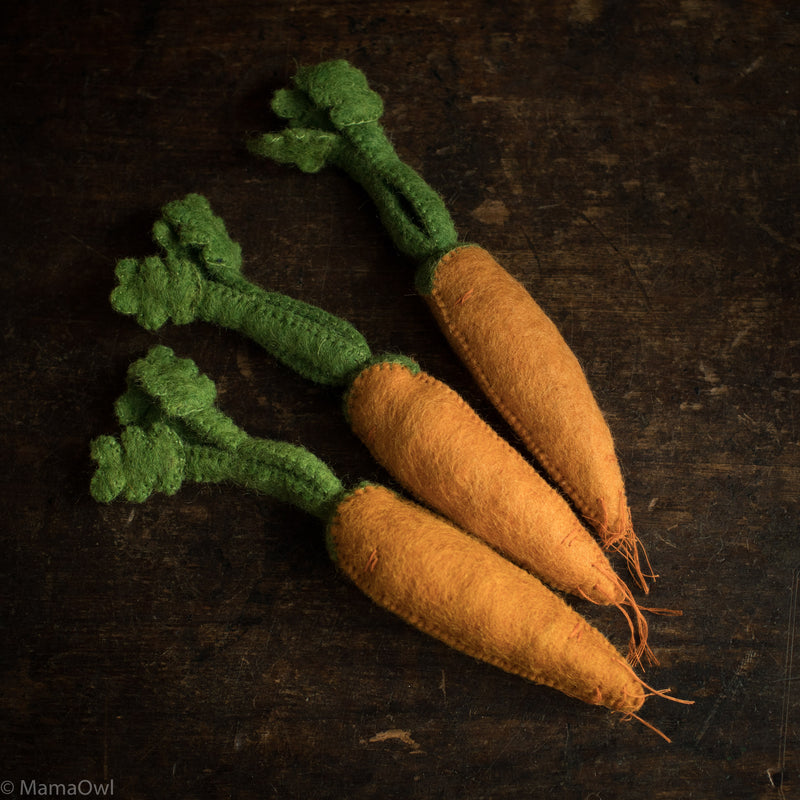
(636, 165)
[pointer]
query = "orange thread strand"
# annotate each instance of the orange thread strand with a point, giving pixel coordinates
(650, 725)
(636, 652)
(372, 561)
(664, 694)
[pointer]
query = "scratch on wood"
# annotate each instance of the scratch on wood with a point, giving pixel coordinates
(729, 691)
(777, 776)
(625, 259)
(533, 250)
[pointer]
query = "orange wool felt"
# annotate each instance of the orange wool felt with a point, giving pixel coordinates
(435, 444)
(455, 588)
(525, 367)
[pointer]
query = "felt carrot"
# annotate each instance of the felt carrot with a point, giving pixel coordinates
(420, 430)
(512, 348)
(405, 558)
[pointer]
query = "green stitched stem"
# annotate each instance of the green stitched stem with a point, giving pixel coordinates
(318, 345)
(283, 471)
(199, 276)
(410, 212)
(334, 96)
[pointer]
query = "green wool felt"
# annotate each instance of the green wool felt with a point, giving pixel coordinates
(141, 462)
(198, 276)
(286, 472)
(173, 432)
(333, 119)
(190, 230)
(179, 392)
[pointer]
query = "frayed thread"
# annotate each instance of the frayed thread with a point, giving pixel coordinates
(622, 539)
(664, 694)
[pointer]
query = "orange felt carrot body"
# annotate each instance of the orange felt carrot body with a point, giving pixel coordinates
(446, 455)
(525, 367)
(456, 589)
(422, 432)
(404, 557)
(419, 429)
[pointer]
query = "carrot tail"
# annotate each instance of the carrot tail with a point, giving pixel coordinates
(620, 537)
(456, 589)
(639, 649)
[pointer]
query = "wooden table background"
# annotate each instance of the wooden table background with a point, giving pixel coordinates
(635, 165)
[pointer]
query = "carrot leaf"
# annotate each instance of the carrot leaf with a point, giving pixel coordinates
(307, 149)
(180, 392)
(189, 230)
(141, 462)
(155, 291)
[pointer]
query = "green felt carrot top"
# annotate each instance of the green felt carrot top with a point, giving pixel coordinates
(173, 432)
(333, 119)
(197, 276)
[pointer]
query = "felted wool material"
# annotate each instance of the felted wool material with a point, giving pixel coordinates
(173, 433)
(525, 367)
(333, 119)
(404, 557)
(286, 472)
(458, 590)
(174, 389)
(433, 442)
(190, 230)
(317, 345)
(198, 277)
(141, 462)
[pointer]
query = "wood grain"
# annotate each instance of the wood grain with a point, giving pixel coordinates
(635, 166)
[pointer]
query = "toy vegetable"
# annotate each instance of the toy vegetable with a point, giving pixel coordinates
(420, 430)
(405, 558)
(512, 348)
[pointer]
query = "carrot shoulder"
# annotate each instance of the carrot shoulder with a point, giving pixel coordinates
(454, 588)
